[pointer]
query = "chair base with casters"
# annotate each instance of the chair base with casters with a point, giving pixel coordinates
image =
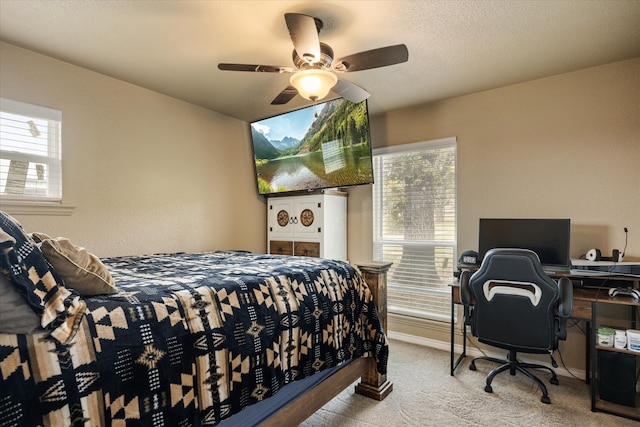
(513, 364)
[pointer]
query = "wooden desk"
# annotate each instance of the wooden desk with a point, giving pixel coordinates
(582, 308)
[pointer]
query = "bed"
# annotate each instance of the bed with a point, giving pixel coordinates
(182, 339)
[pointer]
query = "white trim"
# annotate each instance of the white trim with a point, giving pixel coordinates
(36, 208)
(24, 109)
(21, 199)
(390, 245)
(415, 146)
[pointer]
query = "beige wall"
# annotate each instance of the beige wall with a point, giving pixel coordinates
(566, 146)
(145, 172)
(148, 173)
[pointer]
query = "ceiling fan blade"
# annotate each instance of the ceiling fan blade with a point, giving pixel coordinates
(374, 58)
(256, 68)
(285, 96)
(350, 91)
(304, 35)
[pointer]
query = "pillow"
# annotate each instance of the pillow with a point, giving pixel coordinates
(80, 270)
(16, 317)
(60, 309)
(39, 237)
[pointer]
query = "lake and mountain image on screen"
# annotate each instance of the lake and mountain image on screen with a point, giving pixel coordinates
(322, 146)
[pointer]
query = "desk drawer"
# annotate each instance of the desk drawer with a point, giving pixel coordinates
(279, 247)
(307, 249)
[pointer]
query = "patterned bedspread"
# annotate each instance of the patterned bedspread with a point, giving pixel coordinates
(189, 340)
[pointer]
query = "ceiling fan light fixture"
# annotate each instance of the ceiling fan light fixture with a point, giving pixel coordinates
(313, 84)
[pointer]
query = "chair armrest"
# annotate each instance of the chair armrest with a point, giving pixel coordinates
(465, 295)
(565, 304)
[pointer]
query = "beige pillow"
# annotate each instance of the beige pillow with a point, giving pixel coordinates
(79, 269)
(39, 237)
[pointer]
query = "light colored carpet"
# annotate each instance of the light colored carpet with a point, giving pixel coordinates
(424, 394)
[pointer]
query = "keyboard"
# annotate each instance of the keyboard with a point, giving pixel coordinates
(582, 272)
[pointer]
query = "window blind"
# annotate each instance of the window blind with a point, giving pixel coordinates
(415, 225)
(30, 152)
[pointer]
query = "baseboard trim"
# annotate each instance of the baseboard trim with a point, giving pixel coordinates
(474, 352)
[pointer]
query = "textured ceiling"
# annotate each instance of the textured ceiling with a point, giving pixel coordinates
(455, 47)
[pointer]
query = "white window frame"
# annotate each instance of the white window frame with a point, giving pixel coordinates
(29, 202)
(423, 296)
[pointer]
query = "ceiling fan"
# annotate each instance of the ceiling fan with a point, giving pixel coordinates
(313, 75)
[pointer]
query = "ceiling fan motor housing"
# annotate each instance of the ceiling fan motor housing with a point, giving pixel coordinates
(326, 58)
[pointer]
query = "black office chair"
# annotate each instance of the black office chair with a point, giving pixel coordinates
(512, 304)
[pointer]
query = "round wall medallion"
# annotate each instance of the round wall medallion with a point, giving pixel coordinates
(306, 217)
(283, 218)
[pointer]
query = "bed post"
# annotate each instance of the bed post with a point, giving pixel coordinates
(374, 384)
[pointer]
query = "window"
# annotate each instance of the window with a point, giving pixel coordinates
(30, 152)
(414, 199)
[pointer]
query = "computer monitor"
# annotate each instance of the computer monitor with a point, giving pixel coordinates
(549, 238)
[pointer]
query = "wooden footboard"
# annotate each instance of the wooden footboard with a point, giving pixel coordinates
(373, 384)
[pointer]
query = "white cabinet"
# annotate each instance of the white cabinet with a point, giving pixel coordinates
(308, 225)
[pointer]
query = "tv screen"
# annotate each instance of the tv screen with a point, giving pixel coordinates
(549, 238)
(326, 145)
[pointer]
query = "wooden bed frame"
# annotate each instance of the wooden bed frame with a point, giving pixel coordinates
(373, 384)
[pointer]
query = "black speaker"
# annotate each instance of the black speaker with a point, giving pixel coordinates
(617, 377)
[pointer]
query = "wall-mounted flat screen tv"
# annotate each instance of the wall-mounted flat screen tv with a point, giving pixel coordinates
(547, 237)
(326, 145)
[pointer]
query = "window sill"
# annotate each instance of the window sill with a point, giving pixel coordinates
(36, 208)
